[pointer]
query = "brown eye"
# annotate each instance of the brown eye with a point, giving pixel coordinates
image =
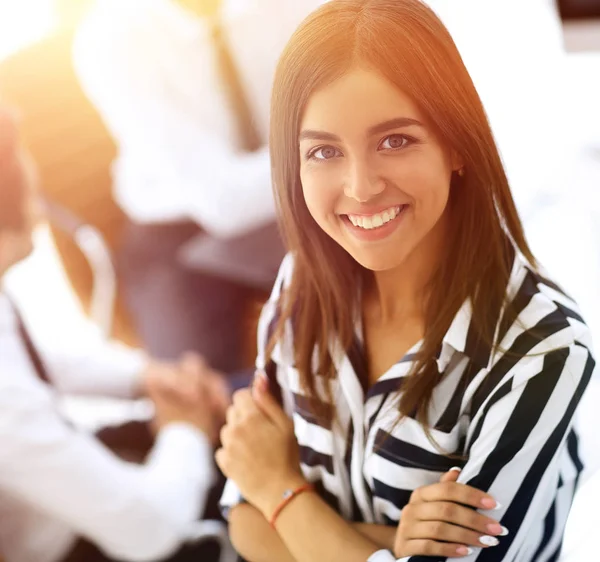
(324, 153)
(393, 142)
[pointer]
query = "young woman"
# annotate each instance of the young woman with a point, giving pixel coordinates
(410, 329)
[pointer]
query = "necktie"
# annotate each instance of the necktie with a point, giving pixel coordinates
(30, 347)
(234, 89)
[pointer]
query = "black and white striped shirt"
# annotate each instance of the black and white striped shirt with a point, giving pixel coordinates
(509, 413)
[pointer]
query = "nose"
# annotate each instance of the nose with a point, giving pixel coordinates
(362, 183)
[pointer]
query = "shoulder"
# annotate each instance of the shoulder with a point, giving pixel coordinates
(540, 332)
(539, 313)
(283, 279)
(270, 317)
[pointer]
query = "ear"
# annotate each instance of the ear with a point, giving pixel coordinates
(456, 161)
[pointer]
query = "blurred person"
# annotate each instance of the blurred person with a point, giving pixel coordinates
(411, 333)
(64, 495)
(183, 87)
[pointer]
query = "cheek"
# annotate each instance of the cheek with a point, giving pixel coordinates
(320, 195)
(429, 187)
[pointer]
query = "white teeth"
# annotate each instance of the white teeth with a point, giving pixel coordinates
(374, 221)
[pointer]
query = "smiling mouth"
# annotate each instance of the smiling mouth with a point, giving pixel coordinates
(373, 222)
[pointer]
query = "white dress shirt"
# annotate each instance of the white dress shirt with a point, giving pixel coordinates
(149, 68)
(58, 482)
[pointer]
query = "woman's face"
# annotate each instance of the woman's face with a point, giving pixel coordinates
(374, 176)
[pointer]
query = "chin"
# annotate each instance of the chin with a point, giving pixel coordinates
(378, 261)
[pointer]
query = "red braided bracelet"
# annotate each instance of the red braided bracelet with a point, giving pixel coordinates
(288, 496)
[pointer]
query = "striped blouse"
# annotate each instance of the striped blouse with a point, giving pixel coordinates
(508, 413)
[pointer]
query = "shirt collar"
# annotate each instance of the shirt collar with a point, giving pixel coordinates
(464, 338)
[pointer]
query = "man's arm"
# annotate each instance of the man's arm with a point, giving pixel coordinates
(138, 513)
(96, 366)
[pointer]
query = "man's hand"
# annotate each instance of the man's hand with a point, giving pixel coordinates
(186, 378)
(188, 391)
(173, 407)
(194, 366)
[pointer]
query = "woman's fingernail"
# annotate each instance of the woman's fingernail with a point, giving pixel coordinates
(497, 529)
(464, 551)
(455, 468)
(489, 541)
(491, 504)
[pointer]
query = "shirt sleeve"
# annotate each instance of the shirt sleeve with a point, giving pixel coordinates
(193, 171)
(96, 366)
(132, 512)
(79, 359)
(515, 442)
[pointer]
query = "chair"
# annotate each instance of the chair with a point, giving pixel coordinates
(94, 248)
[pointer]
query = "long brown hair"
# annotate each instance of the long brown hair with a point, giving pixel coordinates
(406, 43)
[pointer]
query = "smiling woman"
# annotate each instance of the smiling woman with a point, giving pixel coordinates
(410, 329)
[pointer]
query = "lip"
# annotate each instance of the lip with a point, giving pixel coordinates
(375, 234)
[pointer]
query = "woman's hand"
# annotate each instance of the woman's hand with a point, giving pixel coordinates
(259, 449)
(438, 522)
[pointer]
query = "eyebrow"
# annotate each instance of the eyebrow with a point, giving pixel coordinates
(396, 123)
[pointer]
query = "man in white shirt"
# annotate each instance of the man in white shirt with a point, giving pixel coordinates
(173, 102)
(64, 496)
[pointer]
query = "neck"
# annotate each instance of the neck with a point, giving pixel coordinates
(401, 293)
